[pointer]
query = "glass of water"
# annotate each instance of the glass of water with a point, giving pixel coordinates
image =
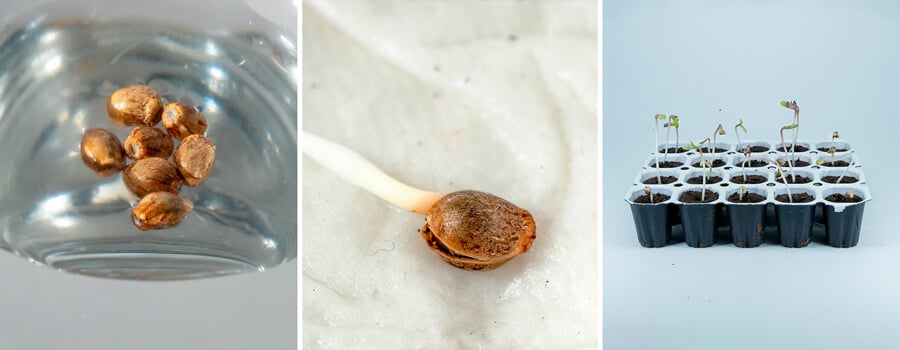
(235, 60)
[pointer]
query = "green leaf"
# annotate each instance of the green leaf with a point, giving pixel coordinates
(789, 127)
(741, 125)
(784, 103)
(674, 120)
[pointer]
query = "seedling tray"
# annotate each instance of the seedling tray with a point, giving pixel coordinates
(751, 223)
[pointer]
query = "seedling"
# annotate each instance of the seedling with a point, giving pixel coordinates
(719, 131)
(847, 157)
(850, 195)
(795, 130)
(744, 163)
(694, 147)
(471, 230)
(740, 124)
(850, 165)
(648, 192)
(704, 165)
(741, 192)
(844, 172)
(834, 136)
(673, 122)
(656, 120)
(779, 172)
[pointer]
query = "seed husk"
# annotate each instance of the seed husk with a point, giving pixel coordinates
(195, 158)
(151, 175)
(146, 142)
(134, 105)
(475, 230)
(183, 120)
(102, 152)
(160, 210)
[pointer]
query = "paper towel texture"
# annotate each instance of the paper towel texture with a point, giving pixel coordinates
(493, 96)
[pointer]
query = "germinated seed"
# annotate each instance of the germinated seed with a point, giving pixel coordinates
(475, 230)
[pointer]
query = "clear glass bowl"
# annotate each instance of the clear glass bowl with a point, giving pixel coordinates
(60, 61)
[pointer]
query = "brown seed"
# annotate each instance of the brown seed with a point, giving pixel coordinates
(151, 175)
(102, 152)
(474, 230)
(134, 105)
(182, 120)
(195, 158)
(146, 142)
(160, 210)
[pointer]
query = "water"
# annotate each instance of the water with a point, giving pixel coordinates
(54, 81)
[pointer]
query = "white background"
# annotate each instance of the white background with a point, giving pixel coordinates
(839, 60)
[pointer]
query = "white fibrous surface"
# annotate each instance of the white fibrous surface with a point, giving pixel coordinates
(499, 97)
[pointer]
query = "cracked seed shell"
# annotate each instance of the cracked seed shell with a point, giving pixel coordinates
(474, 230)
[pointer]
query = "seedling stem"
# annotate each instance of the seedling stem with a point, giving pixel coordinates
(794, 127)
(779, 172)
(649, 192)
(673, 122)
(834, 136)
(740, 125)
(852, 161)
(656, 120)
(719, 131)
(744, 163)
(703, 166)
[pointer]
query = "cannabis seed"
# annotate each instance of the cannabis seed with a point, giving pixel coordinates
(151, 175)
(475, 230)
(182, 120)
(195, 158)
(102, 152)
(134, 105)
(146, 142)
(160, 210)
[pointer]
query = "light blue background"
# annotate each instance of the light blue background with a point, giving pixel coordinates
(840, 61)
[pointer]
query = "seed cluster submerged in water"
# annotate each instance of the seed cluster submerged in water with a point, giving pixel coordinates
(152, 177)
